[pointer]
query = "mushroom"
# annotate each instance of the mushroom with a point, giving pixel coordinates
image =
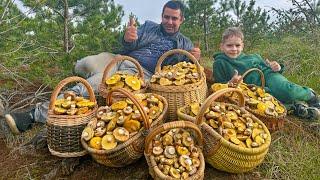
(108, 116)
(121, 134)
(132, 125)
(153, 99)
(170, 152)
(247, 132)
(120, 120)
(194, 152)
(66, 104)
(226, 124)
(128, 110)
(167, 161)
(157, 143)
(136, 115)
(184, 175)
(192, 171)
(167, 140)
(195, 162)
(101, 124)
(271, 112)
(69, 95)
(174, 173)
(185, 161)
(259, 140)
(182, 150)
(212, 114)
(100, 131)
(166, 169)
(111, 125)
(87, 133)
(254, 144)
(157, 150)
(59, 111)
(93, 123)
(108, 142)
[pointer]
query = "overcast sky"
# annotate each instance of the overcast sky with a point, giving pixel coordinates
(151, 9)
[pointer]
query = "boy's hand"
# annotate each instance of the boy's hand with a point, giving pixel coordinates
(274, 65)
(131, 33)
(236, 78)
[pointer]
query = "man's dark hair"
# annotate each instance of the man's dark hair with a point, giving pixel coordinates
(176, 5)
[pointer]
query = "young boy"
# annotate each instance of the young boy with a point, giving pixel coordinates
(231, 61)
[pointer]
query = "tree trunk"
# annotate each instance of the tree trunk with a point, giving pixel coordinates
(66, 24)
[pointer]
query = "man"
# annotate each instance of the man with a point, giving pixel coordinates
(146, 44)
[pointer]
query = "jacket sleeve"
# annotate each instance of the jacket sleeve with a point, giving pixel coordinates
(220, 72)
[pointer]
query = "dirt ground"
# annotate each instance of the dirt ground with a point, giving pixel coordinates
(26, 162)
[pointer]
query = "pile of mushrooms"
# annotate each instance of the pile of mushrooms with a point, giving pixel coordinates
(120, 121)
(177, 75)
(71, 104)
(124, 80)
(235, 125)
(256, 98)
(175, 153)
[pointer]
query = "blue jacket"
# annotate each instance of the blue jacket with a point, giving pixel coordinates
(151, 32)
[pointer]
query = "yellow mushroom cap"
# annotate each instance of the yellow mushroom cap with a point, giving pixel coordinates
(108, 142)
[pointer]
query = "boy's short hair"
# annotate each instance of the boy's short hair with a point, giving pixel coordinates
(176, 5)
(232, 31)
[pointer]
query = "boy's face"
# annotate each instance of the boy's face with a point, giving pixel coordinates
(232, 46)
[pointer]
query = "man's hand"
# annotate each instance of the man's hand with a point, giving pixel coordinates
(131, 32)
(196, 52)
(236, 78)
(274, 65)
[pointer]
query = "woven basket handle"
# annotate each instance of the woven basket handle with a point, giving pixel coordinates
(213, 97)
(117, 59)
(64, 82)
(172, 125)
(177, 51)
(130, 95)
(263, 82)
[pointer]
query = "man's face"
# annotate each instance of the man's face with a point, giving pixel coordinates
(232, 46)
(171, 20)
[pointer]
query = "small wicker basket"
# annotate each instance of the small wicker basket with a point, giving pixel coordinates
(131, 150)
(222, 154)
(64, 131)
(153, 168)
(103, 91)
(178, 96)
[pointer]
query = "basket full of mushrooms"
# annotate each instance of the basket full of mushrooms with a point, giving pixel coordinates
(115, 137)
(174, 151)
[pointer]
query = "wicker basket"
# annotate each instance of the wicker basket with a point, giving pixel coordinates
(64, 131)
(153, 168)
(222, 154)
(178, 96)
(131, 150)
(117, 59)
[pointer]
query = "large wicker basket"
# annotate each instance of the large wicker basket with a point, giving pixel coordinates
(222, 154)
(178, 96)
(103, 90)
(131, 150)
(153, 168)
(64, 131)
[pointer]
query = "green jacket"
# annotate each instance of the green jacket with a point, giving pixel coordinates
(276, 84)
(223, 67)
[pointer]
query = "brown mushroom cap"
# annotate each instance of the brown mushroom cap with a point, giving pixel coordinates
(100, 131)
(157, 150)
(121, 134)
(174, 173)
(71, 94)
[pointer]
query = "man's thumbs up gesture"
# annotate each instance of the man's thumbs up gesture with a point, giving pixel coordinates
(131, 32)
